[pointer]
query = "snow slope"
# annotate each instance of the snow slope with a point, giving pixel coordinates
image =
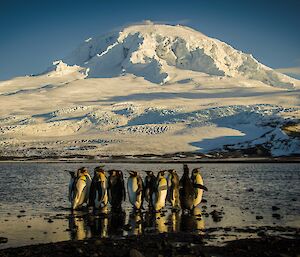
(149, 89)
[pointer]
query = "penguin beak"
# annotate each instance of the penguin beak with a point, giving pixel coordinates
(204, 188)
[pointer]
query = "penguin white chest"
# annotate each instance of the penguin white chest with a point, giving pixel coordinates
(162, 198)
(198, 191)
(161, 195)
(82, 193)
(102, 202)
(132, 188)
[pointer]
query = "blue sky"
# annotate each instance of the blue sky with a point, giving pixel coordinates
(33, 33)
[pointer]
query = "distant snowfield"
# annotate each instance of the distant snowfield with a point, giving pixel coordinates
(156, 107)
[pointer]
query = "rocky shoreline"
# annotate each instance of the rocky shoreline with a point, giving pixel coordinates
(151, 158)
(166, 244)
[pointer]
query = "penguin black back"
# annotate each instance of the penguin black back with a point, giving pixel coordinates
(116, 189)
(173, 189)
(149, 187)
(186, 191)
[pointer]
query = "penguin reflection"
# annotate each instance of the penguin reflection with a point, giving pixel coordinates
(200, 225)
(174, 221)
(78, 227)
(99, 223)
(116, 222)
(155, 220)
(160, 222)
(136, 222)
(149, 220)
(191, 222)
(187, 222)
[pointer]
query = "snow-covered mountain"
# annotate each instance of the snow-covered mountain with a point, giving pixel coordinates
(150, 51)
(150, 89)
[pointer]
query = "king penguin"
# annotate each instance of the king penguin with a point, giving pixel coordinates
(149, 187)
(81, 188)
(198, 186)
(135, 190)
(160, 193)
(98, 194)
(116, 189)
(186, 190)
(173, 189)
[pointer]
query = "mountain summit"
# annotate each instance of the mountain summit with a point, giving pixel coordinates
(157, 52)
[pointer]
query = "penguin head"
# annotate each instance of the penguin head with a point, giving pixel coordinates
(197, 178)
(172, 172)
(149, 172)
(82, 171)
(185, 169)
(113, 172)
(98, 170)
(195, 171)
(133, 173)
(119, 173)
(161, 174)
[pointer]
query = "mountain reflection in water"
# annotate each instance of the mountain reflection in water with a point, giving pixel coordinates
(102, 224)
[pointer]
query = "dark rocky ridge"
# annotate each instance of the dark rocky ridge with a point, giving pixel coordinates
(177, 244)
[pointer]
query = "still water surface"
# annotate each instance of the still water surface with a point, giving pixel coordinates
(34, 207)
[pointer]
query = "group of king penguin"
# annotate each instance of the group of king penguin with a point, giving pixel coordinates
(109, 187)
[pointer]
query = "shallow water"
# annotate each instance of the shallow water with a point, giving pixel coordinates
(34, 206)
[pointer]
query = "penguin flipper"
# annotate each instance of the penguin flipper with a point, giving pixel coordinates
(110, 189)
(123, 190)
(122, 185)
(140, 186)
(172, 195)
(200, 187)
